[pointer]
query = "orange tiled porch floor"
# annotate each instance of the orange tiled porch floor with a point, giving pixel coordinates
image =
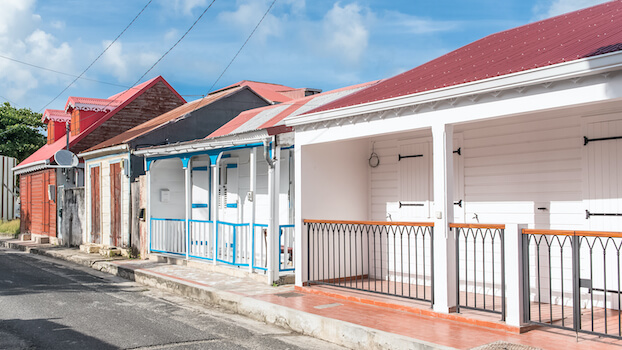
(417, 320)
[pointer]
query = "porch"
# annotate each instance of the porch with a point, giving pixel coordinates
(406, 212)
(227, 207)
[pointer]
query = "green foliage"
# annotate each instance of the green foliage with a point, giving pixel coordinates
(10, 227)
(20, 132)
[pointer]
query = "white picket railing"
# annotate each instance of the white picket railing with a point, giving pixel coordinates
(201, 239)
(168, 236)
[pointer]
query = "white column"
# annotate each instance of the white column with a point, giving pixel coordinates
(188, 188)
(253, 187)
(444, 244)
(273, 223)
(299, 233)
(214, 184)
(513, 246)
(148, 216)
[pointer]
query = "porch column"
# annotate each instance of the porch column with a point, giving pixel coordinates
(253, 186)
(187, 166)
(299, 229)
(274, 249)
(215, 160)
(148, 164)
(514, 292)
(444, 243)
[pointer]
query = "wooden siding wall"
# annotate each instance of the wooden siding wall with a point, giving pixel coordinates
(512, 167)
(157, 100)
(38, 212)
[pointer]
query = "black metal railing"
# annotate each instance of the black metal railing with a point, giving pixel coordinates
(480, 267)
(573, 280)
(394, 258)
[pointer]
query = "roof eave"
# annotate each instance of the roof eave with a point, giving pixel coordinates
(30, 167)
(104, 151)
(205, 144)
(577, 68)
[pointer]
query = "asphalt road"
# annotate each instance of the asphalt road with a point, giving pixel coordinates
(50, 304)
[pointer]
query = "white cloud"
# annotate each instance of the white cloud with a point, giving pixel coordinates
(345, 32)
(58, 24)
(247, 15)
(557, 7)
(404, 23)
(187, 6)
(21, 39)
(126, 65)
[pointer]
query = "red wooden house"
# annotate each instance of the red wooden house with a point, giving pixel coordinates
(91, 121)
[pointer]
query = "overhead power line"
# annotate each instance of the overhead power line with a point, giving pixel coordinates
(163, 55)
(59, 72)
(235, 56)
(98, 57)
(240, 50)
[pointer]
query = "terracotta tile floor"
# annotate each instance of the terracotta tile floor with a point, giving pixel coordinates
(439, 331)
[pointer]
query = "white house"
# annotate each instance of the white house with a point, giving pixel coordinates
(239, 177)
(420, 186)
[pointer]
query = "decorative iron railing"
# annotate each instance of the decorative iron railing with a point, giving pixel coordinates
(168, 236)
(480, 267)
(394, 258)
(573, 280)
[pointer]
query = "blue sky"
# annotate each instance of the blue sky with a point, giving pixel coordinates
(319, 44)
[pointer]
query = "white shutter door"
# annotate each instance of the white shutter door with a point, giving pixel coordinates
(458, 181)
(415, 180)
(604, 175)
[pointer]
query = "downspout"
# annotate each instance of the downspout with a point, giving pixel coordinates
(215, 183)
(266, 152)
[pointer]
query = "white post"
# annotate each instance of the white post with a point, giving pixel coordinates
(299, 232)
(513, 246)
(444, 244)
(273, 222)
(188, 187)
(148, 216)
(215, 181)
(253, 186)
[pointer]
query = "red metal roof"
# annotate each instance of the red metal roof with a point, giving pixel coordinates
(127, 96)
(584, 33)
(266, 117)
(162, 119)
(271, 92)
(56, 115)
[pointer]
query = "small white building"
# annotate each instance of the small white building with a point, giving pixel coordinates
(420, 186)
(228, 199)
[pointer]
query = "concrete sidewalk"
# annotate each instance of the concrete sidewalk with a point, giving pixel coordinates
(338, 320)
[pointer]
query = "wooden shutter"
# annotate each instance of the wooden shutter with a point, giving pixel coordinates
(95, 206)
(115, 204)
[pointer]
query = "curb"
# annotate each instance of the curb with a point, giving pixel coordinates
(335, 331)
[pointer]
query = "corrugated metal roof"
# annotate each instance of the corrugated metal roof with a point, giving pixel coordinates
(47, 151)
(275, 93)
(162, 119)
(56, 115)
(265, 117)
(584, 33)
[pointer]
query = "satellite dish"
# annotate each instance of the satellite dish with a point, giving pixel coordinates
(65, 159)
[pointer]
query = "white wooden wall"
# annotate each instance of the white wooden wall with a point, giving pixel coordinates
(7, 198)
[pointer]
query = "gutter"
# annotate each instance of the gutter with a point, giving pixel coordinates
(567, 70)
(103, 151)
(30, 167)
(203, 145)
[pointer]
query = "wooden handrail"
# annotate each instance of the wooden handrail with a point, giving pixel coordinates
(548, 232)
(380, 223)
(491, 226)
(572, 233)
